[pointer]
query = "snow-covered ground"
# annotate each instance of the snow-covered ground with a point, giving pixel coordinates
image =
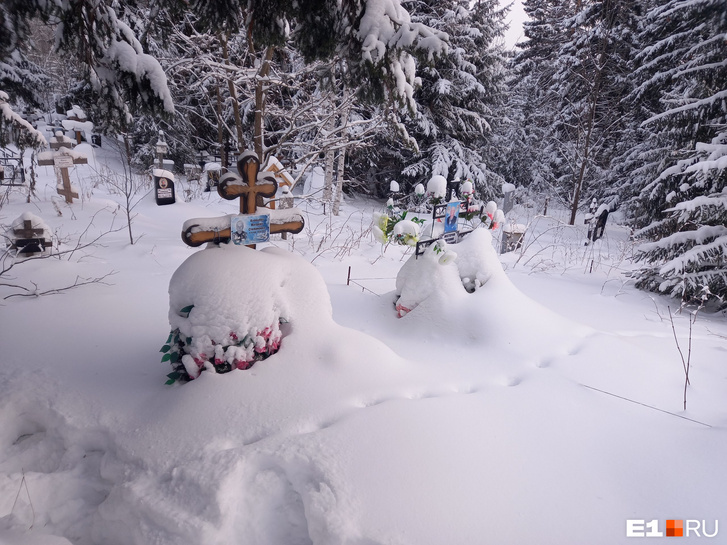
(546, 407)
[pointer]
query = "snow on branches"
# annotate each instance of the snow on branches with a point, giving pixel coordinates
(690, 260)
(29, 134)
(386, 27)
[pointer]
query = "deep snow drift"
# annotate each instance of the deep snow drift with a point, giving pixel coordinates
(483, 417)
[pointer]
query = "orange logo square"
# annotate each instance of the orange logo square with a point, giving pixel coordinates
(674, 528)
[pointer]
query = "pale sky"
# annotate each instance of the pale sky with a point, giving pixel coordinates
(516, 18)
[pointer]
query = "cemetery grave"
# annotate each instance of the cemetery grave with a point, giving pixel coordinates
(11, 168)
(77, 122)
(283, 449)
(61, 160)
(251, 188)
(29, 235)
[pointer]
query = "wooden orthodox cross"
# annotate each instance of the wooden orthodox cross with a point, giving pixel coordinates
(251, 188)
(29, 240)
(63, 159)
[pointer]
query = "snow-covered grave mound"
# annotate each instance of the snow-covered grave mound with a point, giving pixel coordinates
(228, 302)
(29, 234)
(461, 291)
(474, 422)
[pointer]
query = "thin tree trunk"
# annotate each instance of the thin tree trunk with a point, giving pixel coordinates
(220, 132)
(330, 155)
(595, 95)
(584, 162)
(339, 180)
(233, 95)
(128, 187)
(260, 94)
(328, 177)
(341, 153)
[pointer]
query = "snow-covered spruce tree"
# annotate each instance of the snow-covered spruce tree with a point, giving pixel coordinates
(683, 208)
(19, 76)
(460, 94)
(680, 74)
(198, 80)
(376, 37)
(691, 261)
(641, 153)
(530, 160)
(117, 71)
(589, 82)
(12, 122)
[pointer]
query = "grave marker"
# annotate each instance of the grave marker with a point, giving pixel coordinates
(250, 189)
(163, 187)
(162, 149)
(28, 239)
(62, 160)
(77, 121)
(60, 140)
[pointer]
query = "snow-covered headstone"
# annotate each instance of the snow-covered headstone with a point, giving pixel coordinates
(508, 190)
(211, 174)
(29, 235)
(596, 221)
(512, 237)
(163, 186)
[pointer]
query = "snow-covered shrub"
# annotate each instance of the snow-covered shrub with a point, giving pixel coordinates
(227, 304)
(446, 270)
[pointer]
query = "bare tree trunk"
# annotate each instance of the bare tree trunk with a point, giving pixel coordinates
(595, 95)
(260, 94)
(233, 95)
(220, 132)
(330, 154)
(339, 181)
(341, 153)
(328, 177)
(584, 162)
(128, 187)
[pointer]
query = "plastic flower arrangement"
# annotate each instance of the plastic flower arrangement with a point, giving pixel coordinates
(393, 226)
(492, 216)
(190, 356)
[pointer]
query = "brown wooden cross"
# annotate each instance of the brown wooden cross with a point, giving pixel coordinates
(250, 190)
(232, 186)
(60, 141)
(29, 238)
(63, 160)
(77, 115)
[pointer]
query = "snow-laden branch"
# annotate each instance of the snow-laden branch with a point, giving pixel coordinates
(10, 116)
(709, 101)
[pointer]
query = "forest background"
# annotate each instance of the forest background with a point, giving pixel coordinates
(621, 101)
